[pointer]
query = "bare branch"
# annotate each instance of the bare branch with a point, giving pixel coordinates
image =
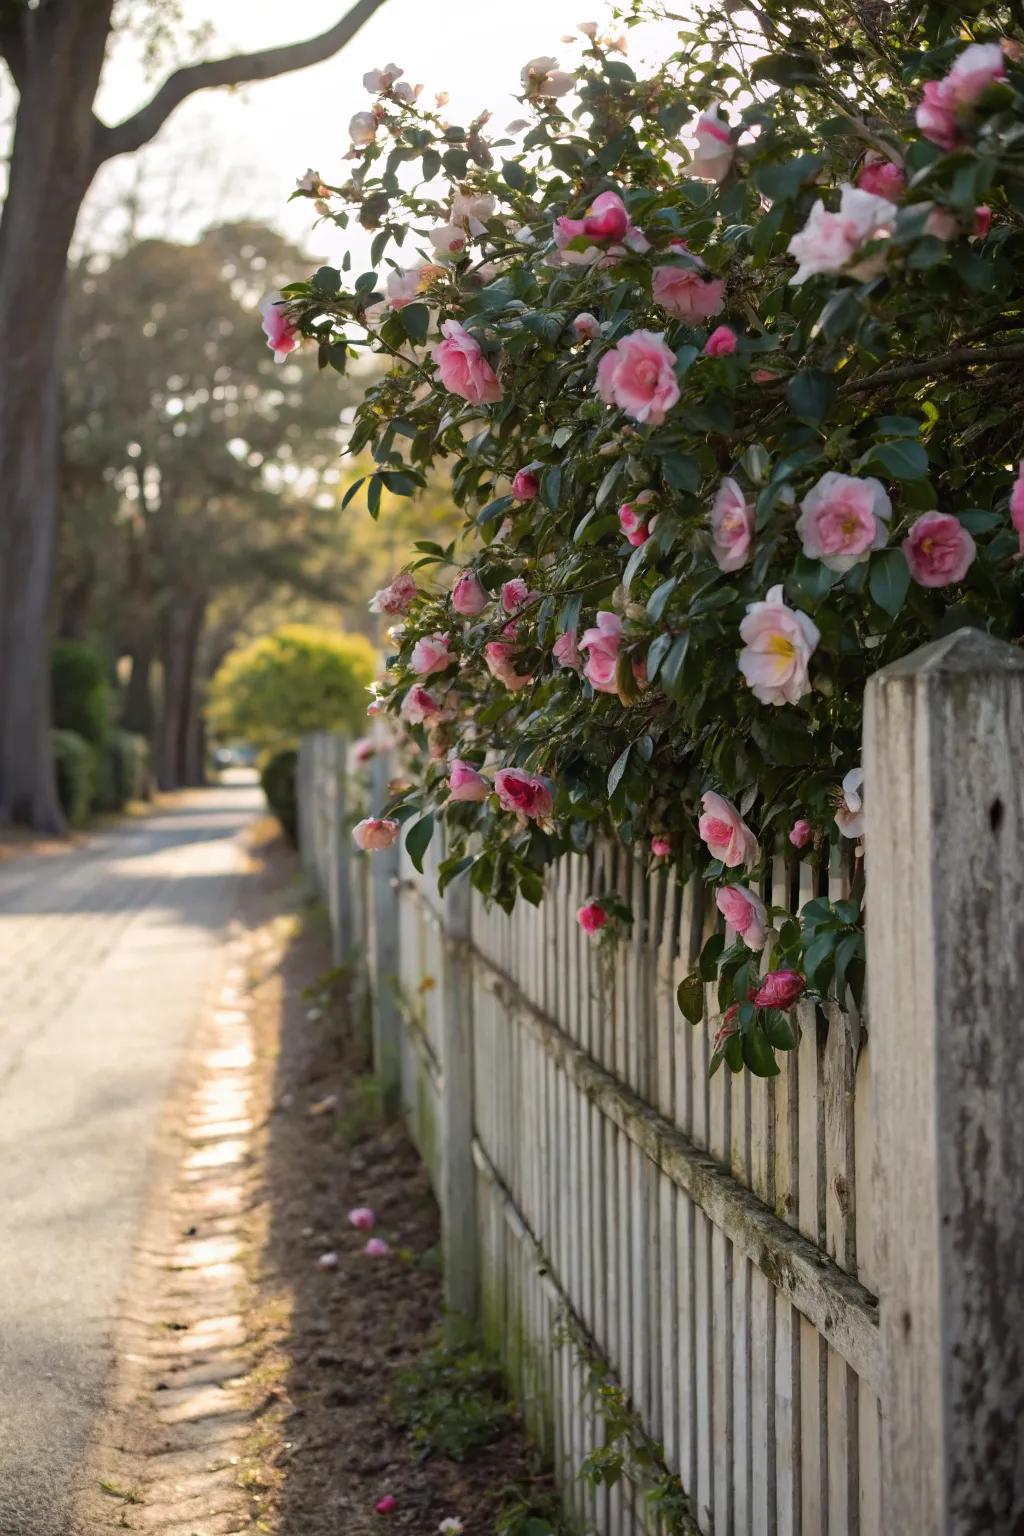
(953, 361)
(137, 130)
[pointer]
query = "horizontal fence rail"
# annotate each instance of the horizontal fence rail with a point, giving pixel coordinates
(729, 1258)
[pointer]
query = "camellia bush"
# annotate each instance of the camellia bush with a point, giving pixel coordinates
(724, 365)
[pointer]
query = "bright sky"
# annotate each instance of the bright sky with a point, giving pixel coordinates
(227, 154)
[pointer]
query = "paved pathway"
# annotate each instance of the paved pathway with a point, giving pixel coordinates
(106, 956)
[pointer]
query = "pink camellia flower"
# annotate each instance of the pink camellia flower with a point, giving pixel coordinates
(525, 485)
(638, 375)
(778, 644)
(418, 705)
(591, 917)
(362, 129)
(842, 518)
(514, 594)
(586, 326)
(376, 1248)
(362, 1218)
(939, 550)
(395, 599)
(463, 368)
(363, 751)
(278, 326)
(728, 1026)
(1017, 504)
(566, 652)
(606, 219)
(850, 816)
(732, 526)
(387, 1505)
(763, 376)
(542, 77)
(982, 221)
(661, 847)
(430, 654)
(327, 1261)
(828, 241)
(947, 101)
(525, 793)
(685, 293)
(726, 833)
(744, 912)
(800, 833)
(376, 80)
(602, 644)
(472, 210)
(406, 287)
(468, 595)
(881, 177)
(779, 989)
(633, 523)
(465, 783)
(449, 241)
(721, 342)
(500, 658)
(374, 833)
(714, 153)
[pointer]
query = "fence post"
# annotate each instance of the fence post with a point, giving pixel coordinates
(387, 1019)
(340, 855)
(306, 805)
(458, 1173)
(944, 779)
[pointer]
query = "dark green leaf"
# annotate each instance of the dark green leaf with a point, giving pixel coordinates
(690, 997)
(889, 580)
(810, 394)
(417, 840)
(758, 1053)
(902, 460)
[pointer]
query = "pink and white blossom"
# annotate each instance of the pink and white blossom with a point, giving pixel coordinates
(468, 595)
(278, 326)
(732, 526)
(686, 293)
(527, 794)
(721, 342)
(327, 1261)
(660, 847)
(472, 210)
(463, 368)
(828, 241)
(396, 598)
(591, 917)
(842, 519)
(849, 817)
(362, 129)
(500, 659)
(376, 1248)
(713, 156)
(515, 594)
(465, 782)
(406, 287)
(362, 1218)
(778, 644)
(745, 913)
(419, 705)
(586, 326)
(430, 654)
(451, 1526)
(638, 375)
(377, 80)
(939, 550)
(566, 652)
(525, 485)
(542, 77)
(800, 833)
(375, 833)
(947, 102)
(727, 835)
(602, 643)
(881, 177)
(449, 241)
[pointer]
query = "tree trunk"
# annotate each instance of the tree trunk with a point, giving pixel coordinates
(182, 630)
(137, 710)
(55, 53)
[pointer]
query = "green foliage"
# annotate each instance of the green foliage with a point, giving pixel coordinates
(123, 770)
(75, 765)
(277, 777)
(890, 363)
(297, 679)
(452, 1402)
(79, 693)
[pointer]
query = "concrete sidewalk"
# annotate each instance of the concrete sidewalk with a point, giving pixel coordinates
(106, 956)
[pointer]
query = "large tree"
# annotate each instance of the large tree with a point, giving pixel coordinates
(54, 50)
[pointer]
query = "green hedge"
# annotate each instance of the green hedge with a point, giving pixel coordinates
(75, 764)
(126, 771)
(278, 779)
(79, 691)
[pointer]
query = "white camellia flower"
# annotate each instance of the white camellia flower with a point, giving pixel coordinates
(448, 240)
(829, 241)
(377, 80)
(542, 77)
(362, 129)
(850, 815)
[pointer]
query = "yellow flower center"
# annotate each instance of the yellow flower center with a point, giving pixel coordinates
(778, 645)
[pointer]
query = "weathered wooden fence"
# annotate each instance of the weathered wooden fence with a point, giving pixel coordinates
(723, 1249)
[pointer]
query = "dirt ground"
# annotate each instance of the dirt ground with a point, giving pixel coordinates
(299, 1423)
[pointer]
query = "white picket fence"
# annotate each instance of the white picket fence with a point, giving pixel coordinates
(719, 1246)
